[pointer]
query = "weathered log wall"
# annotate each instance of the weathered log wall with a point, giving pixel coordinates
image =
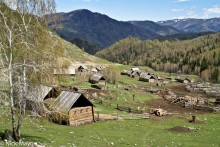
(80, 115)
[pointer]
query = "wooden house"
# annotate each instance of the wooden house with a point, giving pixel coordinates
(82, 68)
(182, 80)
(97, 79)
(72, 108)
(70, 71)
(147, 78)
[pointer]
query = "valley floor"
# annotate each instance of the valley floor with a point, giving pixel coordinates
(130, 129)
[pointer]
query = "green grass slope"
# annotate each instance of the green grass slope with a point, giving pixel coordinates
(121, 133)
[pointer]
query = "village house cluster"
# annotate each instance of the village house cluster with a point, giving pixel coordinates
(65, 106)
(152, 78)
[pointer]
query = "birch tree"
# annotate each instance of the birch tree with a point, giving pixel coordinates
(24, 48)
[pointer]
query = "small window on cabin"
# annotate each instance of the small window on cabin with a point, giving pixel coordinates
(74, 112)
(81, 111)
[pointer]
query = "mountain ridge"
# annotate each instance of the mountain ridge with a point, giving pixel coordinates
(194, 25)
(93, 31)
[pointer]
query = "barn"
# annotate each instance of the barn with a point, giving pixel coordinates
(147, 78)
(97, 79)
(72, 108)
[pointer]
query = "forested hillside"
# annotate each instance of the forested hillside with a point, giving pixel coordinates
(199, 56)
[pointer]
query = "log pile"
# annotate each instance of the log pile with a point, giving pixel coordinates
(158, 112)
(204, 87)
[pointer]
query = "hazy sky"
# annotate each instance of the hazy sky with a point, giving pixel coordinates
(145, 9)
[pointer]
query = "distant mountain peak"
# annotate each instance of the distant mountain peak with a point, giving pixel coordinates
(194, 25)
(99, 30)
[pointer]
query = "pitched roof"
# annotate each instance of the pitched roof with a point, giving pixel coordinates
(96, 77)
(82, 67)
(94, 70)
(135, 68)
(146, 76)
(66, 100)
(99, 68)
(38, 93)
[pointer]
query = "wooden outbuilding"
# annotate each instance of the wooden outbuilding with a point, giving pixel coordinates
(97, 79)
(184, 80)
(37, 95)
(147, 78)
(135, 69)
(82, 68)
(72, 108)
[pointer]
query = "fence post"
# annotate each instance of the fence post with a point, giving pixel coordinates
(193, 118)
(129, 109)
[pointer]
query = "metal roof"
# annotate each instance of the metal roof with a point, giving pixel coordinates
(38, 93)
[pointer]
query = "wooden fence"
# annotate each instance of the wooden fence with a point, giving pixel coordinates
(118, 107)
(116, 116)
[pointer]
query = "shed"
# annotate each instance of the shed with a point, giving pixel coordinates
(74, 108)
(70, 71)
(182, 80)
(82, 68)
(39, 93)
(36, 96)
(97, 78)
(147, 78)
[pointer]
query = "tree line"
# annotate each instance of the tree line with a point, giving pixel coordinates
(200, 56)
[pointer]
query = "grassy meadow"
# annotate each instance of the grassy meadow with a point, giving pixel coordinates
(122, 133)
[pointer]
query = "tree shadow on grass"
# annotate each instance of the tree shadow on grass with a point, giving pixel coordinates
(32, 138)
